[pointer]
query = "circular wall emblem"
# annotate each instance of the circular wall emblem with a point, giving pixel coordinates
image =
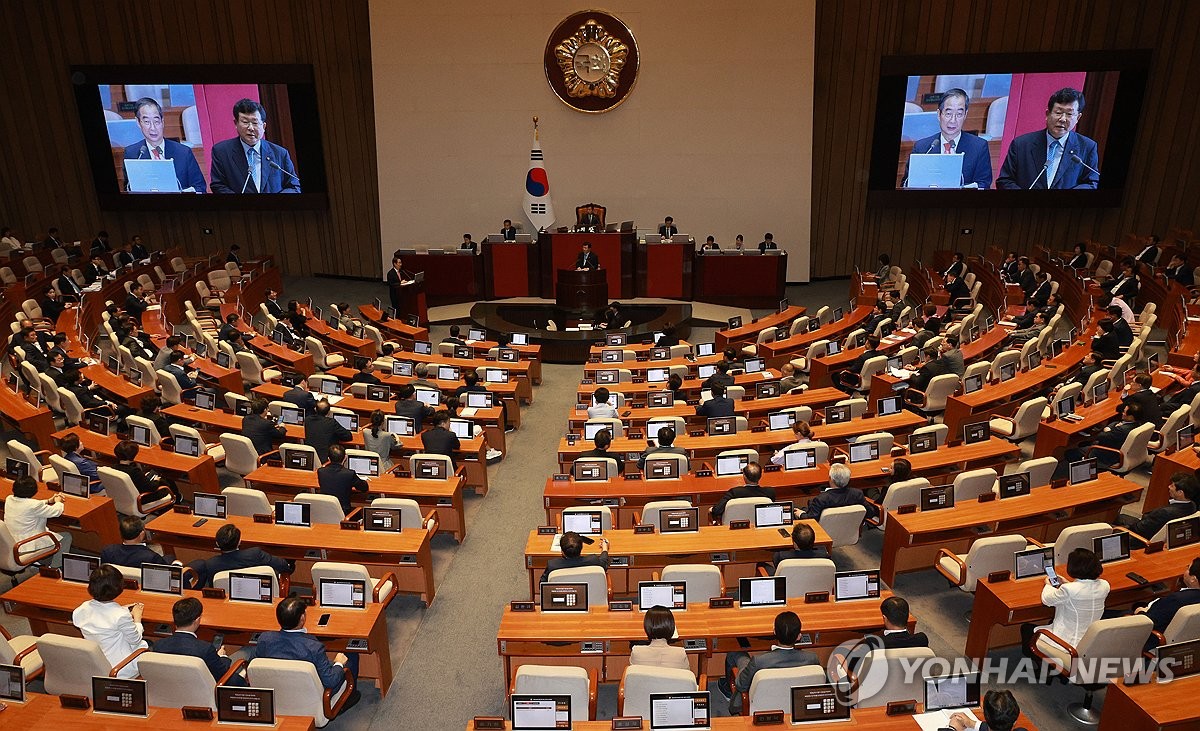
(591, 61)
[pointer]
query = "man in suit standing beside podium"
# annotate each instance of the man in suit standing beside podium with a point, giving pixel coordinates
(397, 276)
(1055, 157)
(950, 140)
(586, 260)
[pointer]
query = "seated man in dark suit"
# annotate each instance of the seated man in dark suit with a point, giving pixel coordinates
(508, 231)
(132, 551)
(285, 332)
(767, 244)
(471, 384)
(187, 614)
(321, 430)
(292, 642)
(804, 540)
(1026, 279)
(932, 368)
(1000, 713)
(274, 309)
(138, 249)
(135, 303)
(260, 428)
(1091, 365)
(839, 494)
(453, 338)
(668, 339)
(589, 218)
(233, 557)
(958, 291)
(666, 438)
(783, 654)
(752, 473)
(1163, 609)
(602, 440)
(366, 373)
(438, 439)
(718, 405)
(408, 405)
(586, 260)
(895, 626)
(667, 228)
(468, 245)
(1121, 329)
(1041, 293)
(722, 376)
(300, 396)
(1138, 392)
(848, 379)
(52, 305)
(1183, 492)
(1178, 270)
(1105, 343)
(230, 332)
(1112, 437)
(571, 545)
(334, 479)
(187, 384)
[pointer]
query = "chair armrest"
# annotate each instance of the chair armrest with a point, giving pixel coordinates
(608, 581)
(1050, 636)
(389, 576)
(962, 566)
(654, 575)
(593, 682)
(1034, 542)
(761, 570)
(142, 496)
(234, 668)
(191, 579)
(353, 514)
(121, 665)
(1120, 455)
(331, 712)
(430, 523)
(5, 633)
(44, 553)
(910, 392)
(876, 521)
(43, 456)
(272, 456)
(1009, 419)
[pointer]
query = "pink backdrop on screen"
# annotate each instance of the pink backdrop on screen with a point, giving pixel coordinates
(1027, 102)
(214, 107)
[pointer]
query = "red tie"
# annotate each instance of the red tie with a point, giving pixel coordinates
(949, 148)
(158, 155)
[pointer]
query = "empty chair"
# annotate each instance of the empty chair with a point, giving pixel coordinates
(71, 662)
(771, 688)
(321, 358)
(298, 688)
(1068, 391)
(246, 502)
(126, 498)
(241, 458)
(543, 680)
(411, 517)
(940, 432)
(599, 591)
(32, 265)
(1022, 424)
(886, 441)
(703, 581)
(253, 372)
(604, 510)
(323, 508)
(612, 424)
(640, 681)
(1002, 359)
(176, 681)
(906, 492)
(844, 524)
(1167, 437)
(1040, 470)
(970, 485)
(858, 406)
(986, 555)
(21, 650)
(675, 422)
(216, 451)
(816, 349)
(933, 398)
(220, 580)
(805, 575)
(149, 426)
(901, 683)
(610, 466)
(382, 589)
(650, 511)
(40, 472)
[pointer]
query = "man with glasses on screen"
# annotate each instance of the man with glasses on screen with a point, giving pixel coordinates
(156, 147)
(1056, 157)
(951, 140)
(248, 163)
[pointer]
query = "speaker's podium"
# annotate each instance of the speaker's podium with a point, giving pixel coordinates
(585, 290)
(614, 250)
(409, 299)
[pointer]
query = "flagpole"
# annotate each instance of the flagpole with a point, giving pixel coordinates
(535, 128)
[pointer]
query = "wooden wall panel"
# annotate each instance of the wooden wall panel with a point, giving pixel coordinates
(45, 179)
(1164, 180)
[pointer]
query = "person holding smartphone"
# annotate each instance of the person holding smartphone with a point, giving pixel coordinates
(1077, 603)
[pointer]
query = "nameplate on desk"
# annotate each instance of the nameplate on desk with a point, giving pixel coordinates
(587, 381)
(719, 557)
(696, 644)
(641, 530)
(358, 644)
(547, 530)
(77, 702)
(559, 477)
(772, 468)
(182, 510)
(593, 359)
(627, 722)
(50, 572)
(571, 439)
(720, 602)
(1055, 484)
(699, 433)
(997, 577)
(196, 713)
(633, 476)
(637, 435)
(131, 584)
(404, 474)
(901, 708)
(317, 553)
(264, 518)
(350, 525)
(693, 402)
(906, 509)
(637, 379)
(739, 524)
(621, 605)
(488, 722)
(757, 429)
(592, 647)
(704, 473)
(1154, 547)
(445, 502)
(212, 593)
(637, 406)
(619, 562)
(768, 718)
(520, 606)
(816, 597)
(987, 497)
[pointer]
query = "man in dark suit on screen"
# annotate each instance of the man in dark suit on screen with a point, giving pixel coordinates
(248, 163)
(155, 147)
(951, 140)
(1056, 157)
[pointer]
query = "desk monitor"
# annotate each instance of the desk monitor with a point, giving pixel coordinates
(1032, 562)
(864, 451)
(1185, 437)
(660, 399)
(187, 446)
(135, 376)
(731, 464)
(781, 420)
(1152, 362)
(162, 578)
(423, 347)
(564, 597)
(431, 397)
(1083, 471)
(767, 389)
(1100, 392)
(296, 459)
(530, 712)
(755, 365)
(402, 368)
(139, 434)
(1035, 359)
(342, 593)
(662, 469)
(657, 375)
(1008, 371)
(521, 339)
(495, 375)
(12, 683)
(833, 348)
(771, 515)
(734, 322)
(475, 333)
(448, 373)
(224, 360)
(507, 355)
(277, 337)
(462, 428)
(348, 422)
(383, 520)
(113, 364)
(887, 406)
(16, 468)
(976, 433)
(591, 471)
(119, 696)
(254, 706)
(608, 376)
(951, 691)
(783, 305)
(401, 426)
(838, 314)
(679, 520)
(290, 379)
(583, 522)
(206, 399)
(479, 400)
(296, 514)
(612, 356)
(77, 567)
(937, 497)
(101, 425)
(763, 591)
(837, 414)
(592, 428)
(377, 392)
(291, 415)
(425, 468)
(800, 459)
(1112, 547)
(75, 484)
(849, 585)
(1180, 659)
(209, 505)
(1065, 406)
(364, 465)
(679, 711)
(332, 322)
(974, 383)
(1014, 485)
(660, 353)
(614, 339)
(1183, 532)
(246, 587)
(703, 349)
(721, 425)
(669, 594)
(814, 325)
(895, 363)
(818, 704)
(704, 371)
(921, 443)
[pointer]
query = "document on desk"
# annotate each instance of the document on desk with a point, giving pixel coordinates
(935, 720)
(467, 412)
(901, 373)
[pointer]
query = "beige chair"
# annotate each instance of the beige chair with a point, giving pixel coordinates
(1134, 451)
(411, 517)
(325, 509)
(858, 406)
(680, 460)
(21, 650)
(844, 524)
(986, 555)
(220, 580)
(321, 358)
(900, 682)
(650, 511)
(886, 441)
(1165, 438)
(1069, 391)
(169, 387)
(216, 451)
(771, 688)
(703, 581)
(606, 521)
(806, 575)
(1162, 533)
(542, 680)
(176, 681)
(1183, 627)
(126, 498)
(816, 349)
(905, 492)
(968, 486)
(933, 398)
(639, 681)
(62, 466)
(596, 578)
(382, 591)
(447, 464)
(298, 688)
(609, 463)
(861, 381)
(13, 560)
(1076, 536)
(241, 458)
(820, 450)
(742, 508)
(155, 437)
(252, 370)
(615, 427)
(1040, 470)
(41, 471)
(675, 422)
(1108, 646)
(71, 663)
(1022, 424)
(72, 410)
(246, 502)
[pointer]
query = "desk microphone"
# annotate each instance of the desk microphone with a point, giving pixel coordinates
(1077, 159)
(1039, 175)
(249, 171)
(932, 144)
(275, 165)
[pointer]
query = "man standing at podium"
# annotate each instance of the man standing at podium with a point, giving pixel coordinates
(508, 231)
(586, 261)
(397, 275)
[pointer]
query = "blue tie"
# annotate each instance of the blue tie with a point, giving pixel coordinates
(251, 154)
(1052, 160)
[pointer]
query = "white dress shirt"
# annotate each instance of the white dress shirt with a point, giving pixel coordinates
(9, 243)
(602, 411)
(1126, 312)
(1077, 604)
(111, 626)
(25, 517)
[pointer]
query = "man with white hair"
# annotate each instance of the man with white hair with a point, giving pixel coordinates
(839, 494)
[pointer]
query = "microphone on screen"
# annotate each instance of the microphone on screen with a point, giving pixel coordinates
(246, 182)
(1079, 160)
(1039, 175)
(275, 165)
(932, 144)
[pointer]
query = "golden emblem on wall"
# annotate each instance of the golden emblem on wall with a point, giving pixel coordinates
(591, 61)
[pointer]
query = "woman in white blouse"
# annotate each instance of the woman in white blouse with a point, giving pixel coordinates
(25, 517)
(1076, 603)
(8, 241)
(117, 629)
(660, 629)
